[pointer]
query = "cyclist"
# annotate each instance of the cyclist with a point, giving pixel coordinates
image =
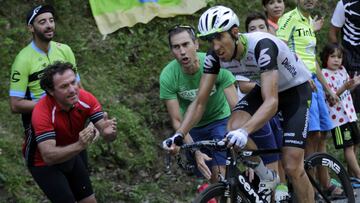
(296, 29)
(281, 84)
(179, 82)
(58, 120)
(254, 22)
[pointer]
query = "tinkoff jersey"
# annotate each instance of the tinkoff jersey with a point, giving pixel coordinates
(263, 52)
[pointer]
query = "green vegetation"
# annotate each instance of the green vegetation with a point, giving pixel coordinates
(122, 71)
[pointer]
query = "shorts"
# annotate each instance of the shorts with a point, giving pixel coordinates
(264, 138)
(214, 130)
(65, 182)
(319, 117)
(346, 135)
(294, 107)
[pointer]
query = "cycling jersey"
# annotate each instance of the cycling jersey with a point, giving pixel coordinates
(263, 52)
(27, 69)
(175, 84)
(298, 31)
(51, 122)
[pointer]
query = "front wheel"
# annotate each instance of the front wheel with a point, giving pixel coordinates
(337, 175)
(217, 193)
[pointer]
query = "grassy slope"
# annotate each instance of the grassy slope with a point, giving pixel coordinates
(122, 71)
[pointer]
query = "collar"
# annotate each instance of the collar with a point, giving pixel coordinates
(37, 49)
(244, 41)
(301, 16)
(58, 107)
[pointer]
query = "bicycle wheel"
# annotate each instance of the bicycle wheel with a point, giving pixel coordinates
(216, 193)
(337, 173)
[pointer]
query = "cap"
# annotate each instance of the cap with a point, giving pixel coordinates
(34, 12)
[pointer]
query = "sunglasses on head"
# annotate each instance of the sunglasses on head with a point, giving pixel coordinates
(188, 27)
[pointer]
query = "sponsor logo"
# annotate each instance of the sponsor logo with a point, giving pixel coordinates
(249, 190)
(297, 142)
(334, 166)
(289, 67)
(264, 58)
(14, 77)
(289, 134)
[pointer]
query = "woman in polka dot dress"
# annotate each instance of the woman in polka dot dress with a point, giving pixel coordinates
(345, 132)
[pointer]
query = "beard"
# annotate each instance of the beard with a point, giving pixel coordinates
(42, 36)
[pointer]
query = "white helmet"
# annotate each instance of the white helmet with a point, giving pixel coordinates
(217, 19)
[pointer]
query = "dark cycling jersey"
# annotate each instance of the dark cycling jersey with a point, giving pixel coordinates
(51, 122)
(263, 52)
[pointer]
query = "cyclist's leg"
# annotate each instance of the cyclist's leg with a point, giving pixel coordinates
(294, 106)
(242, 112)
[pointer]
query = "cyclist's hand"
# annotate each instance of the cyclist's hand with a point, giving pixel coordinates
(176, 139)
(237, 137)
(201, 165)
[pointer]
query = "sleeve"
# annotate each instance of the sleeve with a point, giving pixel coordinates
(19, 77)
(96, 112)
(211, 63)
(338, 18)
(266, 53)
(42, 123)
(226, 78)
(167, 87)
(286, 28)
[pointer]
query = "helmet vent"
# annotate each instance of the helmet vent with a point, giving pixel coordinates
(213, 21)
(224, 23)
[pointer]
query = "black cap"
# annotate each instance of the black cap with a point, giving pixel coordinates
(34, 12)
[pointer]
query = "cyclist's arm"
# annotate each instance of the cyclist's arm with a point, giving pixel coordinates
(246, 86)
(196, 109)
(231, 96)
(21, 105)
(53, 154)
(269, 92)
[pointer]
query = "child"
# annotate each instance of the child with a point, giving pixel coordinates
(345, 132)
(274, 9)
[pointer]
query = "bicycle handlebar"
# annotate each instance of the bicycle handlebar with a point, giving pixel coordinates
(221, 145)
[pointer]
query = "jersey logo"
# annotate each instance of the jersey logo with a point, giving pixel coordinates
(14, 76)
(209, 62)
(264, 58)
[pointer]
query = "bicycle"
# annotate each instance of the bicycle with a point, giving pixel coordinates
(235, 188)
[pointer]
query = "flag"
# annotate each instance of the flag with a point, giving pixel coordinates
(111, 15)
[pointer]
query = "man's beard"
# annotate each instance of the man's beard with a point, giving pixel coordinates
(42, 36)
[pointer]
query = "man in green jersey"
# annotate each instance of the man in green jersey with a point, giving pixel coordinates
(296, 28)
(179, 83)
(29, 64)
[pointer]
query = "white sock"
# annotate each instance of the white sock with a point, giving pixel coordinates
(263, 172)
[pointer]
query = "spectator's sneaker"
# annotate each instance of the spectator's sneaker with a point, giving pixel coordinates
(281, 193)
(266, 187)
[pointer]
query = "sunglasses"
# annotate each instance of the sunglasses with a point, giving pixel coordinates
(210, 37)
(188, 27)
